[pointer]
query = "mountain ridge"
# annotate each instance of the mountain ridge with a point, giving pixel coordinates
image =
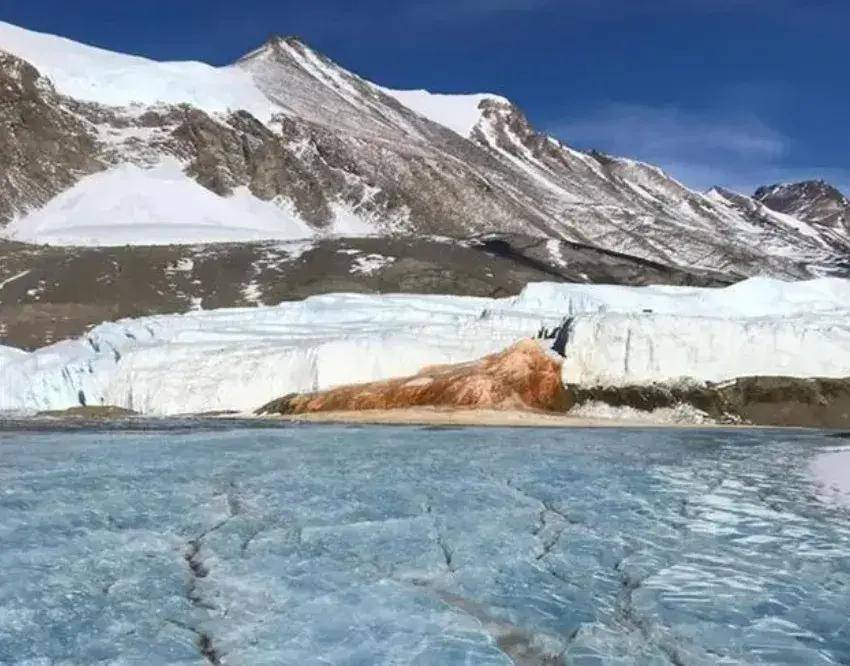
(344, 155)
(816, 202)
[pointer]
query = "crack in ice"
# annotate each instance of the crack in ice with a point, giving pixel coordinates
(199, 570)
(440, 538)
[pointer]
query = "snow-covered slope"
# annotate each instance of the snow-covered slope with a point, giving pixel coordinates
(460, 113)
(115, 79)
(241, 358)
(343, 149)
(127, 205)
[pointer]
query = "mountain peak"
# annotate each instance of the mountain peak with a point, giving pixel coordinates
(719, 190)
(813, 201)
(276, 38)
(803, 188)
(274, 42)
(113, 79)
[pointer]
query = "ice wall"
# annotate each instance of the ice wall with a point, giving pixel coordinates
(617, 348)
(241, 358)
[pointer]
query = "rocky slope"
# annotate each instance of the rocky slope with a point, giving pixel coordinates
(51, 293)
(288, 127)
(45, 146)
(814, 202)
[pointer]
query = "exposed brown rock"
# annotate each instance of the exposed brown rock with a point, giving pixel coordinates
(813, 201)
(790, 401)
(648, 397)
(45, 148)
(523, 376)
(766, 401)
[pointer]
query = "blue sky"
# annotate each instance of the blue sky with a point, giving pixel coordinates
(730, 92)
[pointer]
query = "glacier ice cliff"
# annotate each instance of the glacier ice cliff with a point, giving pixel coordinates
(239, 359)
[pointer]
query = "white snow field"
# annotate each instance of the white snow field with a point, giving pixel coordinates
(129, 205)
(115, 79)
(240, 358)
(459, 113)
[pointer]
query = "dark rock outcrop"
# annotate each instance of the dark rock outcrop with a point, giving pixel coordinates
(648, 397)
(767, 401)
(815, 202)
(44, 147)
(789, 401)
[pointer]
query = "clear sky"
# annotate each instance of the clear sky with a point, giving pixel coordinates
(730, 92)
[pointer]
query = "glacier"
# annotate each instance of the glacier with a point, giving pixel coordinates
(238, 359)
(215, 543)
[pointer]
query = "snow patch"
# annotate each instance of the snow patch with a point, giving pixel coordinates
(129, 205)
(10, 280)
(253, 293)
(182, 265)
(348, 223)
(459, 113)
(553, 246)
(370, 263)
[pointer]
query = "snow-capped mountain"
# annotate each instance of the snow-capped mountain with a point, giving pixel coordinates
(113, 149)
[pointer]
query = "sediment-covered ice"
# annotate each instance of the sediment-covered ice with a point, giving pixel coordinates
(241, 358)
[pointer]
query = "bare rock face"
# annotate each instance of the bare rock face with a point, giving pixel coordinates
(815, 202)
(45, 148)
(521, 377)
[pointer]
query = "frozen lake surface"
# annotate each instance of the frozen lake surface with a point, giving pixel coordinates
(393, 545)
